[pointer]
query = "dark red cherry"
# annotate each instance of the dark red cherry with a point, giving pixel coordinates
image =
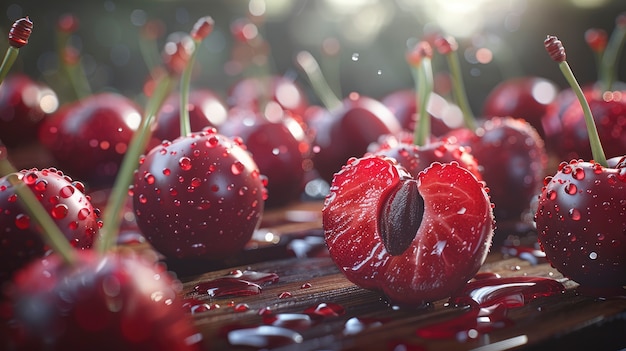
(115, 301)
(525, 97)
(64, 199)
(199, 196)
(280, 147)
(513, 161)
(581, 222)
(89, 138)
(443, 115)
(24, 104)
(347, 131)
(206, 109)
(255, 92)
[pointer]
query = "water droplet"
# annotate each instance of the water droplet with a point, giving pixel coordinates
(574, 214)
(142, 198)
(578, 173)
(551, 195)
(83, 213)
(59, 211)
(284, 295)
(237, 168)
(461, 211)
(30, 178)
(66, 191)
(166, 171)
(184, 163)
(149, 178)
(355, 56)
(593, 255)
(571, 188)
(196, 182)
(241, 307)
(379, 72)
(22, 221)
(41, 185)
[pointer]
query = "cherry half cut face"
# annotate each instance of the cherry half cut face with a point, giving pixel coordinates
(415, 239)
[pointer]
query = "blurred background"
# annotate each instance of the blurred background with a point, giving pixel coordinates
(361, 44)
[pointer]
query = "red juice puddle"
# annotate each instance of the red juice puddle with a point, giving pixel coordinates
(223, 287)
(237, 283)
(488, 301)
(264, 337)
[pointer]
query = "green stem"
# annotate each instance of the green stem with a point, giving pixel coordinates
(459, 91)
(611, 53)
(312, 70)
(594, 139)
(185, 82)
(423, 75)
(7, 62)
(112, 214)
(150, 54)
(52, 234)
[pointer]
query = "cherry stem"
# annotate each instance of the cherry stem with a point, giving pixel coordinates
(311, 69)
(557, 52)
(448, 47)
(332, 64)
(202, 28)
(612, 52)
(112, 214)
(7, 62)
(420, 60)
(51, 233)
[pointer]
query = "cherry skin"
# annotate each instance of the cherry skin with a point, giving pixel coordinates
(115, 301)
(581, 222)
(347, 131)
(253, 92)
(415, 239)
(279, 146)
(206, 109)
(199, 196)
(525, 97)
(89, 138)
(65, 201)
(512, 159)
(24, 104)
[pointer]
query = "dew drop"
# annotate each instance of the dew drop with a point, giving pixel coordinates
(59, 211)
(579, 174)
(574, 214)
(30, 178)
(571, 188)
(184, 163)
(284, 295)
(551, 195)
(41, 185)
(166, 171)
(355, 56)
(66, 191)
(142, 198)
(237, 168)
(149, 178)
(593, 255)
(22, 221)
(83, 213)
(196, 182)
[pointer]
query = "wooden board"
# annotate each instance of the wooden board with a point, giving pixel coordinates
(290, 245)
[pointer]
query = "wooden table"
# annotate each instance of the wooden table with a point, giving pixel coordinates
(290, 244)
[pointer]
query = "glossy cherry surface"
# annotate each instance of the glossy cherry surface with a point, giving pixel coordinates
(199, 196)
(255, 92)
(64, 199)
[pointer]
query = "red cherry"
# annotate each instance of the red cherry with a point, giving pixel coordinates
(110, 302)
(279, 146)
(199, 196)
(581, 222)
(512, 159)
(403, 104)
(90, 137)
(415, 239)
(522, 97)
(24, 104)
(347, 131)
(64, 200)
(252, 92)
(206, 109)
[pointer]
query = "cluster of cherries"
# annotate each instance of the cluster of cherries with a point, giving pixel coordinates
(411, 210)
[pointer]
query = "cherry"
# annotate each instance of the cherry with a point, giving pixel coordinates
(255, 92)
(415, 239)
(115, 301)
(344, 128)
(509, 151)
(403, 104)
(279, 146)
(90, 137)
(527, 97)
(206, 109)
(580, 213)
(62, 198)
(24, 104)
